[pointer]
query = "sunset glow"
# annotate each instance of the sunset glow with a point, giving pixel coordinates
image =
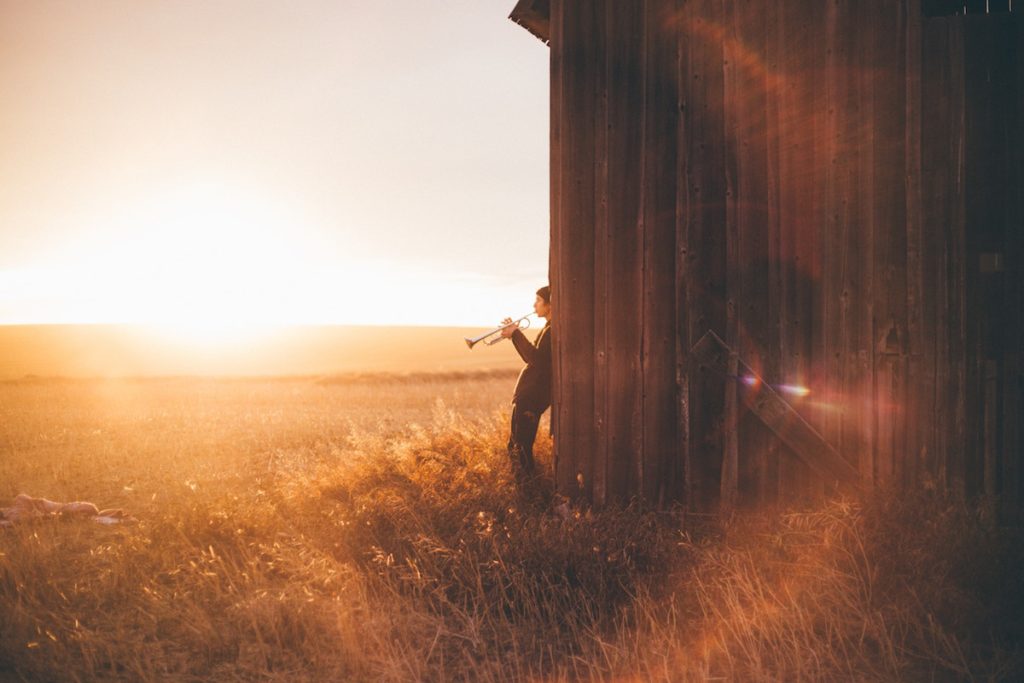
(212, 169)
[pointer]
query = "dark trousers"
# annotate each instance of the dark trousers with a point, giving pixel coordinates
(520, 442)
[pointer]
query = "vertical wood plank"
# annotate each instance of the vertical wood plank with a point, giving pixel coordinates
(734, 113)
(559, 403)
(996, 177)
(920, 339)
(625, 237)
(890, 243)
(851, 292)
(982, 153)
(836, 148)
(810, 292)
(844, 243)
(798, 32)
(1011, 113)
(580, 36)
(683, 481)
(730, 454)
(603, 317)
(659, 201)
(781, 256)
(996, 248)
(746, 49)
(862, 369)
(777, 81)
(943, 140)
(956, 263)
(938, 190)
(705, 256)
(577, 22)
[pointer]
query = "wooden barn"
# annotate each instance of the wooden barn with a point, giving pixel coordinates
(787, 244)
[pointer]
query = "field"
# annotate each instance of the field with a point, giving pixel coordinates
(364, 527)
(141, 351)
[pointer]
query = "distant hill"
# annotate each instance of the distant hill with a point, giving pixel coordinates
(129, 351)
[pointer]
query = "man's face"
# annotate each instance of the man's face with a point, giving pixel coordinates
(541, 307)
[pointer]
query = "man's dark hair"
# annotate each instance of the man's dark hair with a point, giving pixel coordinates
(545, 293)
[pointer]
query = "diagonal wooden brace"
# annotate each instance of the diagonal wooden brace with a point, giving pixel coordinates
(777, 414)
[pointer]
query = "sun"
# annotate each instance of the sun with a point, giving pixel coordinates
(214, 264)
(205, 265)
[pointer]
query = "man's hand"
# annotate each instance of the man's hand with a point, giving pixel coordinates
(509, 329)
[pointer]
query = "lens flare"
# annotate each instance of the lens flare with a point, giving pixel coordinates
(753, 381)
(793, 389)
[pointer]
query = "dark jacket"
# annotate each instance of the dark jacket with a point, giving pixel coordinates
(533, 389)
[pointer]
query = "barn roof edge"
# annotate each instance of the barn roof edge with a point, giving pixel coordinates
(534, 16)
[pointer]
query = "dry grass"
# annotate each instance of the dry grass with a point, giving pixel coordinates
(361, 530)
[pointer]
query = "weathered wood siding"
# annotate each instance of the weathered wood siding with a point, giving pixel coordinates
(835, 189)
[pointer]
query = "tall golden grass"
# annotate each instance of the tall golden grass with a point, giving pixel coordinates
(370, 530)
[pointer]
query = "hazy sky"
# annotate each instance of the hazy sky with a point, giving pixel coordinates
(303, 161)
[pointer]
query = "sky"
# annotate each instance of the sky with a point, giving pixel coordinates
(212, 162)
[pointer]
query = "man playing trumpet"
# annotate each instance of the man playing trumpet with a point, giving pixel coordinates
(532, 395)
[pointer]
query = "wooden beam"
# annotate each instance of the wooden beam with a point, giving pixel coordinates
(777, 414)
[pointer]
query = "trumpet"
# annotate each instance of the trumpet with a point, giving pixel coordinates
(497, 330)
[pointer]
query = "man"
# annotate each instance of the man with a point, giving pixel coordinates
(532, 395)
